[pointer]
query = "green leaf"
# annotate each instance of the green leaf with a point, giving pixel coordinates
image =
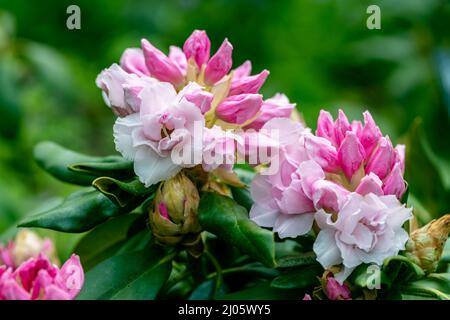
(207, 291)
(56, 160)
(298, 278)
(264, 291)
(363, 275)
(400, 269)
(296, 260)
(245, 173)
(123, 193)
(137, 275)
(104, 240)
(423, 293)
(110, 166)
(229, 221)
(79, 212)
(437, 281)
(242, 196)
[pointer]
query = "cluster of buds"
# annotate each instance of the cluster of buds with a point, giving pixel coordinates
(186, 100)
(345, 181)
(28, 271)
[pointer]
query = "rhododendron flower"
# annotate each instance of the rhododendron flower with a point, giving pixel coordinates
(165, 120)
(26, 244)
(287, 200)
(121, 89)
(155, 94)
(180, 67)
(334, 290)
(367, 229)
(276, 107)
(357, 155)
(37, 278)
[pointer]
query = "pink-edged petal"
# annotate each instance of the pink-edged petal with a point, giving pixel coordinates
(351, 154)
(370, 184)
(292, 226)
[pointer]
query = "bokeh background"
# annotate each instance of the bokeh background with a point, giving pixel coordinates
(319, 52)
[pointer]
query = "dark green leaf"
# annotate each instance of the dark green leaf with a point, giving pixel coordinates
(298, 278)
(123, 193)
(300, 259)
(229, 221)
(264, 291)
(242, 196)
(104, 240)
(81, 211)
(400, 269)
(111, 167)
(137, 275)
(56, 160)
(366, 274)
(205, 291)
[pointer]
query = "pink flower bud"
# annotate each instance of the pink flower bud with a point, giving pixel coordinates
(243, 70)
(336, 291)
(219, 64)
(177, 56)
(370, 134)
(132, 61)
(370, 184)
(325, 127)
(202, 99)
(394, 183)
(250, 84)
(341, 127)
(198, 47)
(320, 150)
(240, 108)
(351, 154)
(382, 158)
(307, 297)
(276, 107)
(160, 66)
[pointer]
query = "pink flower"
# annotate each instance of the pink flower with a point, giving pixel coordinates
(133, 61)
(248, 84)
(306, 297)
(201, 98)
(121, 89)
(219, 64)
(160, 66)
(360, 152)
(287, 200)
(240, 108)
(197, 47)
(336, 291)
(276, 107)
(368, 229)
(37, 278)
(26, 244)
(219, 149)
(165, 121)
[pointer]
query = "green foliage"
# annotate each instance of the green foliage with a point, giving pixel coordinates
(229, 221)
(81, 211)
(135, 275)
(77, 168)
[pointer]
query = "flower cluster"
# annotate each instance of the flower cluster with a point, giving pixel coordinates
(27, 271)
(345, 181)
(177, 104)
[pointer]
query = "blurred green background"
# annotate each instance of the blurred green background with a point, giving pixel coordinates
(320, 53)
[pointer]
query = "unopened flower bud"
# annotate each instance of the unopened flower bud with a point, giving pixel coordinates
(174, 216)
(426, 244)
